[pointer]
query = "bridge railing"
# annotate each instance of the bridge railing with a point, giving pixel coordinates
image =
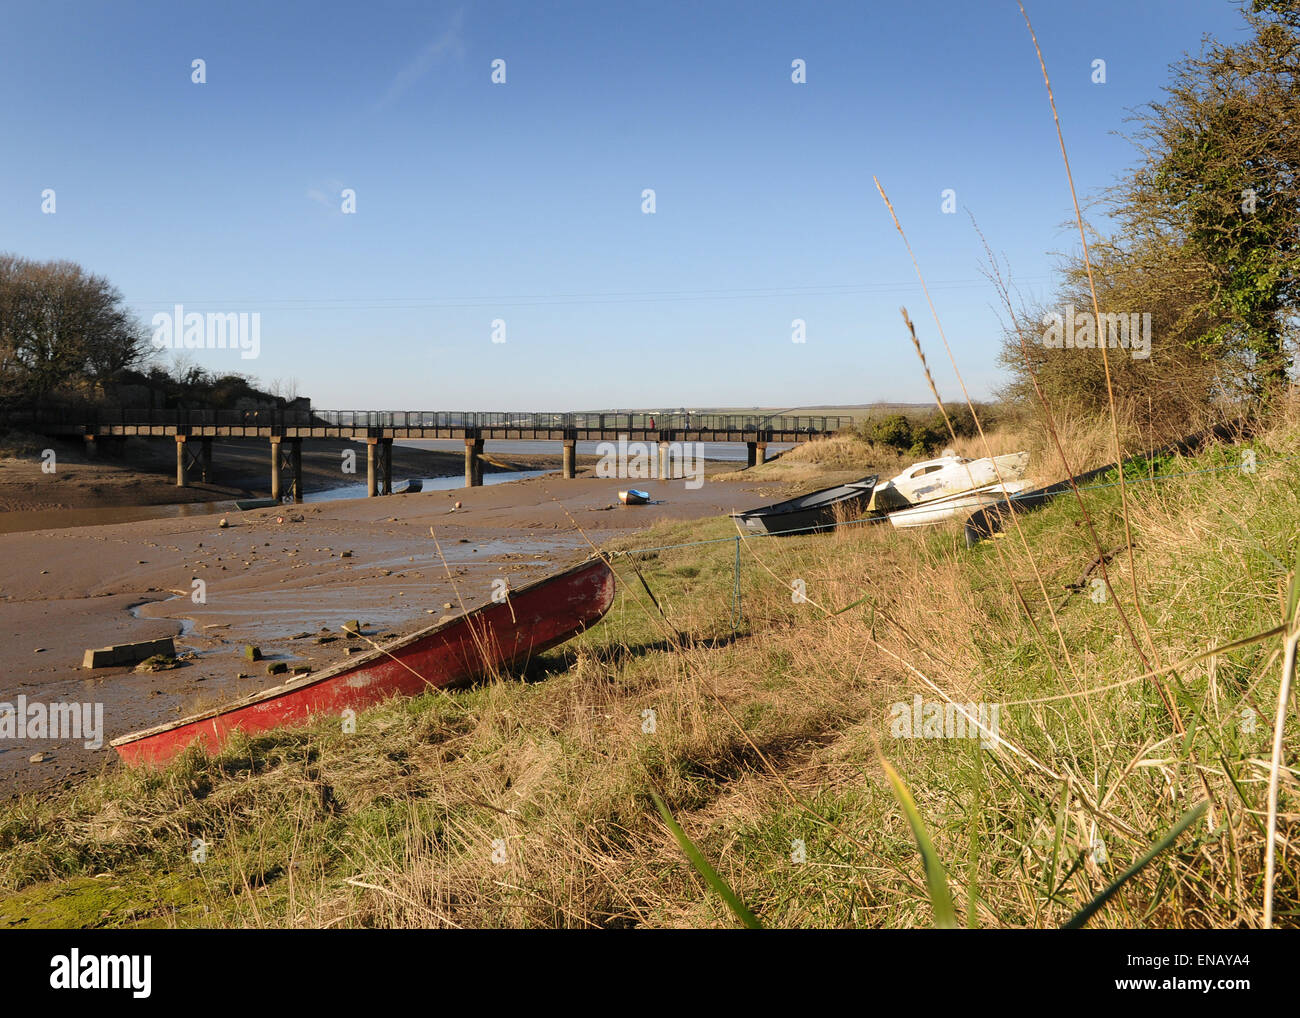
(432, 419)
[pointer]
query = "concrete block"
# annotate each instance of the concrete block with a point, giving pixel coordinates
(127, 653)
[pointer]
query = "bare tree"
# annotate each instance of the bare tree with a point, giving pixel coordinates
(62, 327)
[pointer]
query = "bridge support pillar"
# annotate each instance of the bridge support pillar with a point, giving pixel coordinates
(181, 479)
(91, 446)
(570, 459)
(371, 489)
(190, 459)
(275, 467)
(663, 461)
(751, 454)
(473, 465)
(760, 453)
(385, 466)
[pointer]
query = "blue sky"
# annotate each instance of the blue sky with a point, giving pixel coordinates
(522, 201)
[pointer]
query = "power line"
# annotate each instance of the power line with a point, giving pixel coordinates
(416, 303)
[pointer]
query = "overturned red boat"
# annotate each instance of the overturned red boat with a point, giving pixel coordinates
(497, 635)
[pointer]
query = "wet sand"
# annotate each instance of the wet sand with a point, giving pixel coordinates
(66, 590)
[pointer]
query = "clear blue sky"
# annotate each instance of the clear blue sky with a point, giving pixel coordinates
(522, 201)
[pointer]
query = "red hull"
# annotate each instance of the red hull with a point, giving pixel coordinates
(497, 635)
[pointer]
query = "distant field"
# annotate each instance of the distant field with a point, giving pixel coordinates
(857, 411)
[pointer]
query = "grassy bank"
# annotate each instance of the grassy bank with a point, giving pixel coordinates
(762, 722)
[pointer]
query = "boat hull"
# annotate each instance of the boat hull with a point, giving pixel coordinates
(811, 513)
(498, 635)
(244, 504)
(634, 497)
(991, 519)
(942, 478)
(936, 511)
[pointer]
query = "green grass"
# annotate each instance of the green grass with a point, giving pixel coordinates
(766, 735)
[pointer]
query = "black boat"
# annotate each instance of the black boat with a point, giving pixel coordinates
(991, 519)
(812, 512)
(412, 486)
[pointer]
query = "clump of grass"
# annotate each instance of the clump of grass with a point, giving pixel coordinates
(17, 444)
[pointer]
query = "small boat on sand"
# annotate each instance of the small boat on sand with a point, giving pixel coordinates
(499, 635)
(255, 503)
(818, 510)
(413, 486)
(939, 509)
(945, 476)
(634, 497)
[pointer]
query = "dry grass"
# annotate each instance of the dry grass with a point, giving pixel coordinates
(840, 457)
(825, 460)
(527, 804)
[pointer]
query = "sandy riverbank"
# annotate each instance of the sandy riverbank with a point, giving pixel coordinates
(266, 582)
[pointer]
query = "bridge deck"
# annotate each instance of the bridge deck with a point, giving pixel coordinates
(194, 430)
(592, 427)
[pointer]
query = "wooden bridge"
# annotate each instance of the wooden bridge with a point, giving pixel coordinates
(285, 430)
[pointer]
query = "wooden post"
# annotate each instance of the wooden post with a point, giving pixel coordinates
(751, 454)
(663, 461)
(180, 461)
(275, 467)
(386, 464)
(570, 459)
(370, 466)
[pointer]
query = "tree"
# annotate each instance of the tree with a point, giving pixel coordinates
(1222, 174)
(1177, 384)
(62, 327)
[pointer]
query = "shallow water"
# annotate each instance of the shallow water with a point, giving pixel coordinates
(729, 452)
(428, 484)
(62, 519)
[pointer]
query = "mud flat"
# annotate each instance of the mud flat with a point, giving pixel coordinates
(272, 575)
(145, 474)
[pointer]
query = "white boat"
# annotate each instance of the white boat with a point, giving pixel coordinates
(939, 509)
(946, 476)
